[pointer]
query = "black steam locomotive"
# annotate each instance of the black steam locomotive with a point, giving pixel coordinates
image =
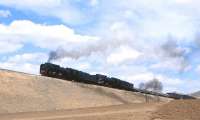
(52, 70)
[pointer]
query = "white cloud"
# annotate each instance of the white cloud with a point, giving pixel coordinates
(122, 55)
(54, 8)
(174, 65)
(171, 84)
(15, 35)
(27, 57)
(5, 13)
(94, 2)
(197, 69)
(25, 67)
(31, 3)
(146, 76)
(27, 62)
(8, 46)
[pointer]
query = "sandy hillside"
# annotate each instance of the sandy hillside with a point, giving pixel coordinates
(65, 100)
(196, 94)
(21, 92)
(174, 110)
(179, 110)
(141, 111)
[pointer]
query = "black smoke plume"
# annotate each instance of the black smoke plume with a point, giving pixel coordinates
(152, 85)
(171, 50)
(85, 49)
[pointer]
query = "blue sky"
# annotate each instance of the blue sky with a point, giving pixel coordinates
(135, 40)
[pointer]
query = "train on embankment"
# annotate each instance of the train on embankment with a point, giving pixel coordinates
(55, 71)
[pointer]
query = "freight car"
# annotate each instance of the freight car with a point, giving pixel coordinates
(179, 96)
(151, 92)
(52, 70)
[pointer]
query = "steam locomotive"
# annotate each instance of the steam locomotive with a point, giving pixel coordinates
(52, 70)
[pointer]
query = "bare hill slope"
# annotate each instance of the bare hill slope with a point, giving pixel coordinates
(137, 111)
(196, 94)
(178, 110)
(21, 92)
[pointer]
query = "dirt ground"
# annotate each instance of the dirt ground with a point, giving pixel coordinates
(137, 111)
(179, 110)
(174, 110)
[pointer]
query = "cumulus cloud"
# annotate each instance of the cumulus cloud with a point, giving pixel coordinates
(26, 62)
(174, 65)
(5, 13)
(173, 56)
(61, 9)
(94, 2)
(122, 55)
(197, 69)
(26, 67)
(8, 46)
(16, 34)
(170, 83)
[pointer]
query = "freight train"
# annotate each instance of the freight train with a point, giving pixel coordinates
(55, 71)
